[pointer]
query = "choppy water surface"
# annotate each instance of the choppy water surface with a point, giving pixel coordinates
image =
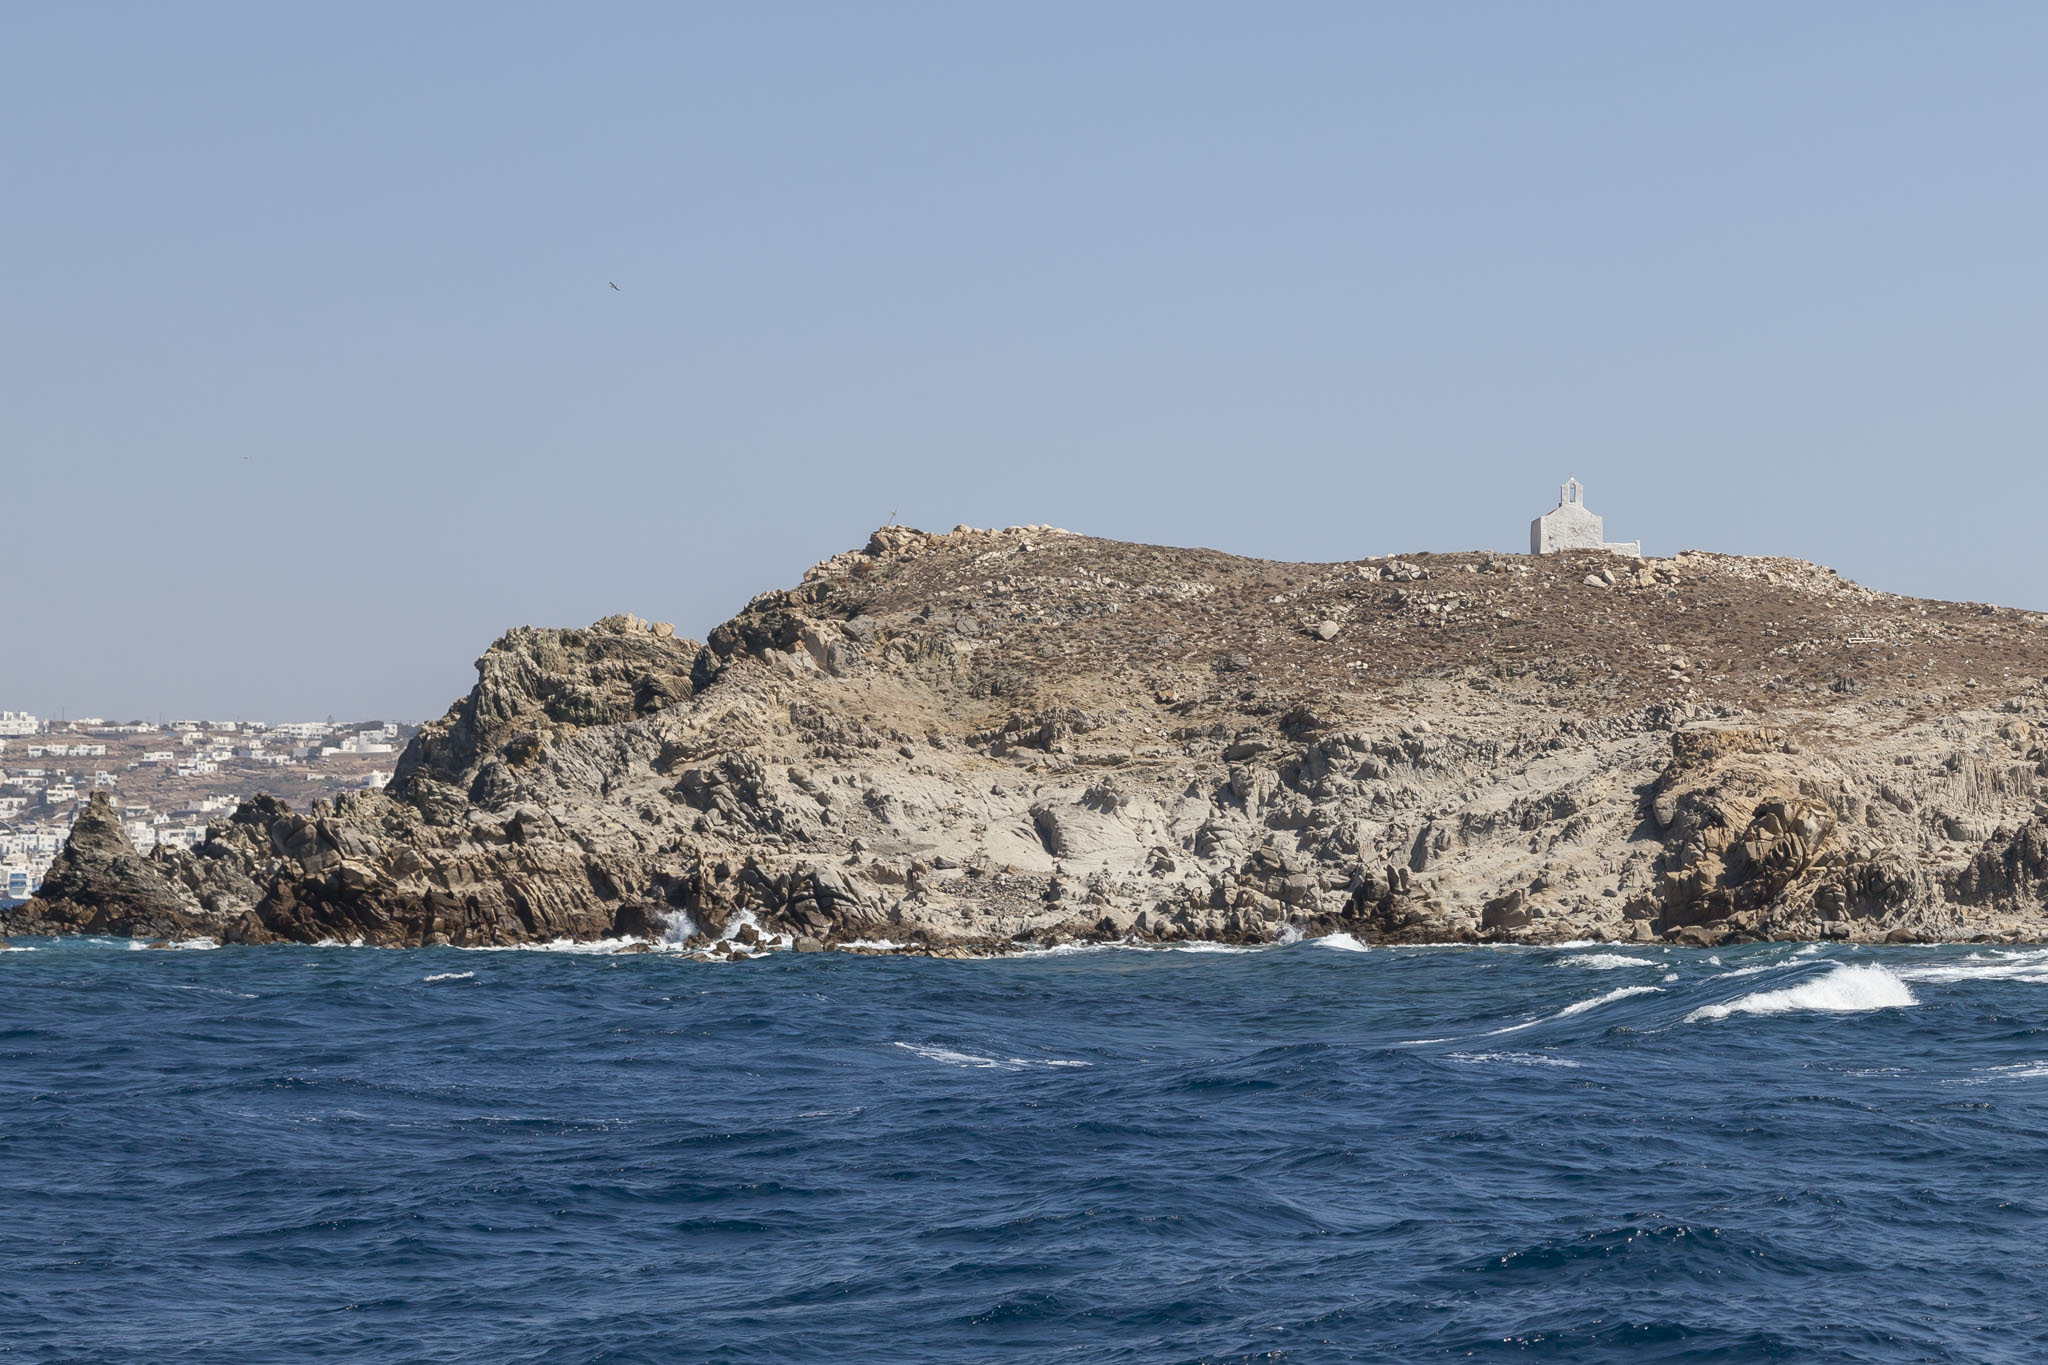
(1304, 1153)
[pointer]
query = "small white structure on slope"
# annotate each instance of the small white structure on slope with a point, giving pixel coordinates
(1569, 526)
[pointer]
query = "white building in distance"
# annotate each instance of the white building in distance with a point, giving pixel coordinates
(18, 723)
(1569, 526)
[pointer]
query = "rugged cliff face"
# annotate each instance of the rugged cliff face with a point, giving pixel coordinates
(959, 742)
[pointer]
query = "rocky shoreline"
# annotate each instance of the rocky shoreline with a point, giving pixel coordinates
(980, 741)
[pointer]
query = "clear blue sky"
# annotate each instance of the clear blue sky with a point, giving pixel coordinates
(312, 381)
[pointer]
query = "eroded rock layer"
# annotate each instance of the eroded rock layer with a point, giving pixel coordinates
(961, 742)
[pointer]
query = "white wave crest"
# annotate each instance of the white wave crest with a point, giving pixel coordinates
(1509, 1059)
(1580, 1007)
(1843, 990)
(1606, 962)
(2031, 966)
(196, 945)
(1024, 948)
(449, 976)
(1345, 943)
(949, 1057)
(595, 947)
(1757, 970)
(1618, 993)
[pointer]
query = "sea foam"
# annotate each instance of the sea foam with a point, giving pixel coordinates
(1342, 942)
(2030, 966)
(1843, 990)
(1606, 962)
(949, 1057)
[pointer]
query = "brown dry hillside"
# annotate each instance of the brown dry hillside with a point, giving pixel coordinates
(1747, 632)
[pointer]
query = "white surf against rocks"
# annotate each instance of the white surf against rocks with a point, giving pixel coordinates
(1343, 943)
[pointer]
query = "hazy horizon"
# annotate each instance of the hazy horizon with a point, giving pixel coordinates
(313, 379)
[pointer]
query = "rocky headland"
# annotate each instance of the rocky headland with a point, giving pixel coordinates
(971, 742)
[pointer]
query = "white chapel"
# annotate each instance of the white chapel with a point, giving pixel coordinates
(1569, 526)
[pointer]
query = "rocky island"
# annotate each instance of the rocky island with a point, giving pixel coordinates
(970, 742)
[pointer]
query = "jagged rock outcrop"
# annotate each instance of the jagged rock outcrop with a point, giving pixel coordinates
(963, 741)
(99, 884)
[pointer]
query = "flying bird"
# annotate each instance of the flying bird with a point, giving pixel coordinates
(615, 286)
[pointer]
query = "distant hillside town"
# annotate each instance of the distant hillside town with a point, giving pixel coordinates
(168, 780)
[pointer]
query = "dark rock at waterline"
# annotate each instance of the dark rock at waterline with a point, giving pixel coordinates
(100, 884)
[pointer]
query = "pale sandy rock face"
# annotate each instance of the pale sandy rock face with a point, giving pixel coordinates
(968, 739)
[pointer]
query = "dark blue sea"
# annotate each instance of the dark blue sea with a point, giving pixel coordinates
(1302, 1153)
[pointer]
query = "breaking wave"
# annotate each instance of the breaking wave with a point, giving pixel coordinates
(2025, 966)
(1618, 993)
(1844, 989)
(1606, 962)
(1342, 942)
